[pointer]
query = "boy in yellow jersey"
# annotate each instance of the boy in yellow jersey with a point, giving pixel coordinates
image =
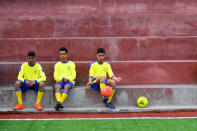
(98, 71)
(64, 75)
(31, 76)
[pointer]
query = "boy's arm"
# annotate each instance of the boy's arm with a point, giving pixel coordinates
(55, 75)
(73, 75)
(109, 71)
(21, 74)
(91, 73)
(42, 75)
(111, 74)
(89, 82)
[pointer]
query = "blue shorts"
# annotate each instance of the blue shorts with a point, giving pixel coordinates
(96, 86)
(25, 87)
(63, 84)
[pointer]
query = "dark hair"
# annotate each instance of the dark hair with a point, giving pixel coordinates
(100, 50)
(63, 49)
(31, 53)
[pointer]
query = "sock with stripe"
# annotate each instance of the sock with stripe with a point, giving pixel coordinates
(110, 98)
(19, 95)
(58, 96)
(64, 96)
(39, 96)
(102, 84)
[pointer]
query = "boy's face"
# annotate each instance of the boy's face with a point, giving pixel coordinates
(63, 56)
(31, 60)
(100, 57)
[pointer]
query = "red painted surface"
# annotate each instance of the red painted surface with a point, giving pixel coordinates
(81, 7)
(100, 25)
(117, 49)
(131, 72)
(59, 115)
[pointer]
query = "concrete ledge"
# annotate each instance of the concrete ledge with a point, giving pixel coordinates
(161, 97)
(106, 110)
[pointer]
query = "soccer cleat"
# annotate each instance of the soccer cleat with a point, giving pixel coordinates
(110, 105)
(105, 99)
(59, 106)
(18, 107)
(38, 106)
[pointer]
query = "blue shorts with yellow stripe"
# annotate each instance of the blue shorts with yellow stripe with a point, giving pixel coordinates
(25, 87)
(63, 84)
(95, 85)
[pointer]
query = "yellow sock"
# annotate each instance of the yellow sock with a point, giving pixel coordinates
(102, 84)
(58, 96)
(40, 94)
(64, 96)
(110, 98)
(19, 95)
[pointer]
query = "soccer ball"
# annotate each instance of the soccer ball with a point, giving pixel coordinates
(106, 91)
(142, 102)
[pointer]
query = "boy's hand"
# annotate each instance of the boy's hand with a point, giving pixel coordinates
(88, 84)
(65, 80)
(30, 83)
(117, 79)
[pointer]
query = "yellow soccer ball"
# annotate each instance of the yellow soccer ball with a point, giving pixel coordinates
(142, 102)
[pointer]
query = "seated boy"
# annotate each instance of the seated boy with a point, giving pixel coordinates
(98, 71)
(64, 75)
(31, 76)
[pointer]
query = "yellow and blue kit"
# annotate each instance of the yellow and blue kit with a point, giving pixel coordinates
(32, 73)
(65, 70)
(97, 69)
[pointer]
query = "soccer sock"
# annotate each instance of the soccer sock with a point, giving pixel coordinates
(64, 96)
(40, 94)
(102, 84)
(58, 96)
(110, 98)
(19, 95)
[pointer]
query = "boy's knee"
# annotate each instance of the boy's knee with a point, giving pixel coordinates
(113, 83)
(101, 78)
(67, 87)
(41, 85)
(57, 87)
(17, 84)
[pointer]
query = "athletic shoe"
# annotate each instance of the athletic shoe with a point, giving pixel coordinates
(110, 105)
(59, 106)
(18, 107)
(38, 106)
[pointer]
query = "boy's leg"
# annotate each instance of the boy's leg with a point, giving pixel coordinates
(67, 87)
(101, 80)
(112, 84)
(19, 106)
(39, 96)
(57, 92)
(58, 87)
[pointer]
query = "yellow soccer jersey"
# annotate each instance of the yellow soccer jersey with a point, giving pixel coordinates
(65, 70)
(96, 69)
(31, 72)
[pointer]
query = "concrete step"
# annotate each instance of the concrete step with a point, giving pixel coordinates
(132, 72)
(166, 96)
(91, 7)
(117, 49)
(100, 25)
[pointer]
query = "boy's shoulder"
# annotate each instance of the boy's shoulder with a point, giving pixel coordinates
(93, 62)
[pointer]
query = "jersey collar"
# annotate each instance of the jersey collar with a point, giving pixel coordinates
(65, 62)
(100, 63)
(31, 65)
